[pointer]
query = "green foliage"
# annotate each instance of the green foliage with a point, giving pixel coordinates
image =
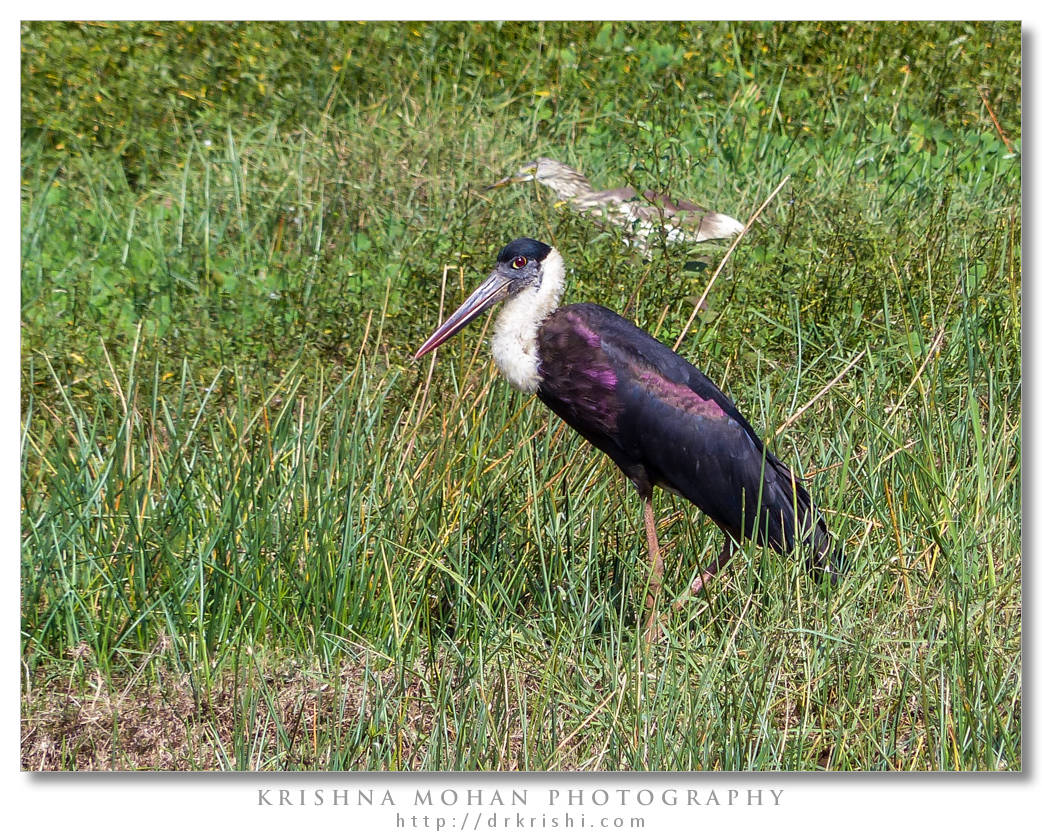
(233, 238)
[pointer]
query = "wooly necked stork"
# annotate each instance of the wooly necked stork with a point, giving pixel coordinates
(656, 415)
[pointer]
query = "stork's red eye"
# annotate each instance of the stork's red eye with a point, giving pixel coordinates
(519, 262)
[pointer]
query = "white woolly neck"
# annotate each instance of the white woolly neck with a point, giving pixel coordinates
(514, 342)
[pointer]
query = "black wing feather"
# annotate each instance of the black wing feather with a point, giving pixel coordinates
(664, 423)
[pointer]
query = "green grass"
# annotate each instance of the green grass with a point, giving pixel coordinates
(256, 535)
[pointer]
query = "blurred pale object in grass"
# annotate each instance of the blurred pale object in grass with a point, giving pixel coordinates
(643, 216)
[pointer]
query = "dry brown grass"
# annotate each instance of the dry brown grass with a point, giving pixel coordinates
(150, 717)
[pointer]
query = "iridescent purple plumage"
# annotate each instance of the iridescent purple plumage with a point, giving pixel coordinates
(664, 423)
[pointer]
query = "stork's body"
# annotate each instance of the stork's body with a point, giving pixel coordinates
(642, 215)
(655, 414)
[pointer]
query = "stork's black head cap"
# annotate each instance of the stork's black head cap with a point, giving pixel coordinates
(524, 247)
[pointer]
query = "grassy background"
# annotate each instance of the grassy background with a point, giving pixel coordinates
(255, 535)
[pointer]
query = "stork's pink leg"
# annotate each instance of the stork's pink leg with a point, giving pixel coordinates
(725, 555)
(652, 629)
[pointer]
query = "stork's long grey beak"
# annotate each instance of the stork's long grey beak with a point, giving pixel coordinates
(490, 292)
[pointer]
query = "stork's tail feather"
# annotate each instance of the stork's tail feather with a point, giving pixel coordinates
(825, 560)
